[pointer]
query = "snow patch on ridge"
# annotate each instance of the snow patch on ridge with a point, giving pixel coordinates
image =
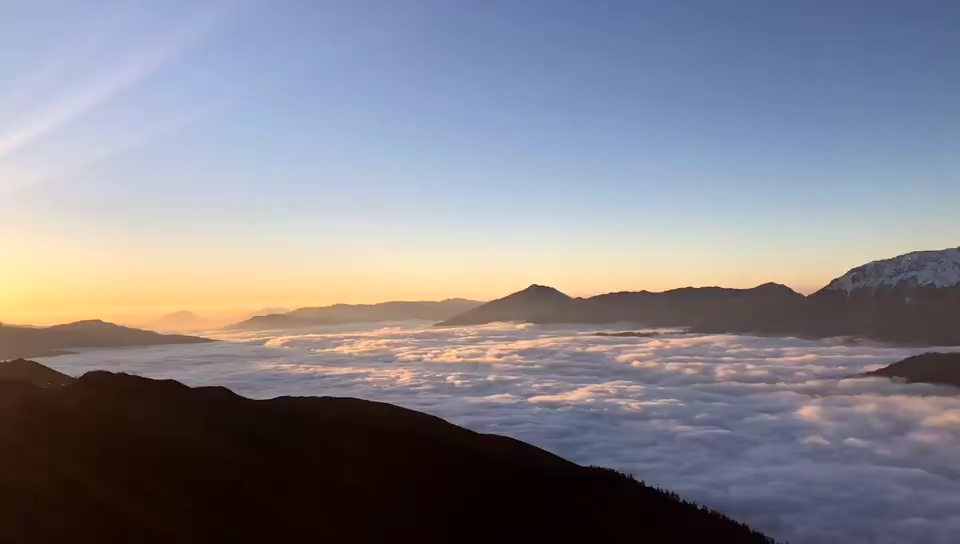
(918, 269)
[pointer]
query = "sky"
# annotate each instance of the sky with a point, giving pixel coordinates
(225, 155)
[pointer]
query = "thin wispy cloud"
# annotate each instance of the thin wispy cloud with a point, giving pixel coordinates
(771, 431)
(98, 89)
(105, 150)
(50, 72)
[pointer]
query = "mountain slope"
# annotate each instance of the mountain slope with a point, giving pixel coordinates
(43, 342)
(31, 372)
(527, 305)
(913, 298)
(127, 459)
(917, 270)
(698, 307)
(943, 368)
(359, 313)
(679, 307)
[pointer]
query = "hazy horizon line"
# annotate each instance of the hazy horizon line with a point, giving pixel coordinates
(142, 317)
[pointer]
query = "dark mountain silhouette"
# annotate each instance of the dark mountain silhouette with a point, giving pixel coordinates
(22, 370)
(679, 307)
(358, 313)
(532, 304)
(942, 368)
(910, 299)
(692, 306)
(931, 320)
(115, 458)
(44, 342)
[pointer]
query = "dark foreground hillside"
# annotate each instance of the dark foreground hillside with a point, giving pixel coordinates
(942, 368)
(119, 458)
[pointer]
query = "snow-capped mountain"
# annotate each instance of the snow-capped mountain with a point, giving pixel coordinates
(919, 269)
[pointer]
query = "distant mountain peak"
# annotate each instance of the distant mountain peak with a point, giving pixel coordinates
(776, 287)
(929, 269)
(520, 306)
(183, 320)
(180, 315)
(772, 285)
(89, 324)
(542, 291)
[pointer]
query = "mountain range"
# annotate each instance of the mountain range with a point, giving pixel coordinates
(358, 313)
(910, 299)
(187, 321)
(913, 298)
(48, 341)
(678, 307)
(116, 458)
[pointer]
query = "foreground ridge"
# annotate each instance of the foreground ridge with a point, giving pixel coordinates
(120, 458)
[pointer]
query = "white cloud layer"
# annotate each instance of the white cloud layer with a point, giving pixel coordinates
(770, 431)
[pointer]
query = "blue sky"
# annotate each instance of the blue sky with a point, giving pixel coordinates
(239, 153)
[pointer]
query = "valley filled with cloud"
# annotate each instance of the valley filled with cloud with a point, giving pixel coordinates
(774, 432)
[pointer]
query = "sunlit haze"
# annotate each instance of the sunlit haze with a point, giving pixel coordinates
(224, 156)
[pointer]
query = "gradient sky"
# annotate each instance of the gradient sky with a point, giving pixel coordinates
(224, 155)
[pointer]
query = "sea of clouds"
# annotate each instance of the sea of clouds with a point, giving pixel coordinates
(771, 431)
